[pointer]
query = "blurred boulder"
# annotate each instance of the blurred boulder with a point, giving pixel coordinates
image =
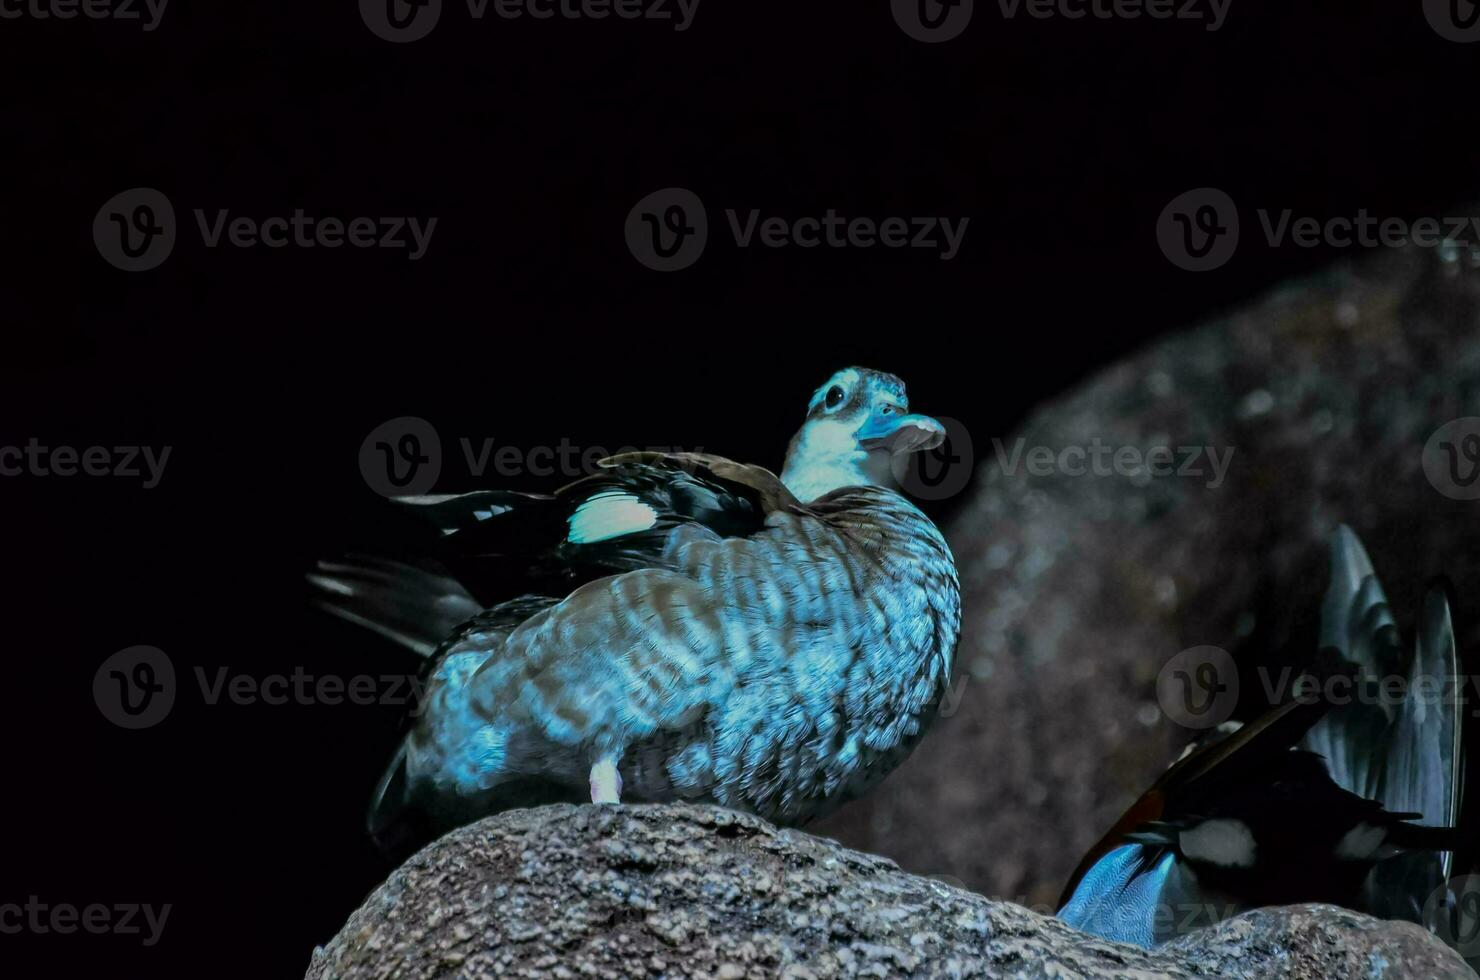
(680, 891)
(1079, 587)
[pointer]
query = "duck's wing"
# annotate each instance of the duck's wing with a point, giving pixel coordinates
(632, 513)
(1233, 758)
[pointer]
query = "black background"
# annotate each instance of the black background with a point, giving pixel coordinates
(529, 321)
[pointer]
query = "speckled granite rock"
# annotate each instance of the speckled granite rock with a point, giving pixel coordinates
(679, 891)
(1078, 589)
(1316, 941)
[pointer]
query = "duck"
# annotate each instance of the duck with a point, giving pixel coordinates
(1347, 793)
(700, 630)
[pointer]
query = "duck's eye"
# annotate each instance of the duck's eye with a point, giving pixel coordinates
(888, 409)
(834, 397)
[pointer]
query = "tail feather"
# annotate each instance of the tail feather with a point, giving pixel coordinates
(414, 606)
(386, 806)
(1355, 618)
(1358, 625)
(1423, 769)
(1423, 765)
(1404, 753)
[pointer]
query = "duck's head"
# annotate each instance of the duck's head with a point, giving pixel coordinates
(856, 423)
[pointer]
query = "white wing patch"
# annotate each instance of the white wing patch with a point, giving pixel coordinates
(1361, 842)
(1226, 843)
(609, 514)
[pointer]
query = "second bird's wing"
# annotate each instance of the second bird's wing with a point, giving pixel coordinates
(1401, 744)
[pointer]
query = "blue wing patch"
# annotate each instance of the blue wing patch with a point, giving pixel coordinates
(1119, 899)
(609, 514)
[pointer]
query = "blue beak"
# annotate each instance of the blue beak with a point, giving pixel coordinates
(901, 433)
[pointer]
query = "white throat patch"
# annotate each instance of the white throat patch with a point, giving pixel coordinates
(826, 456)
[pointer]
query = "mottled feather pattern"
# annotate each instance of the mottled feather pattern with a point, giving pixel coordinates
(780, 673)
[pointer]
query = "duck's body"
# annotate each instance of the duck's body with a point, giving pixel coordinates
(736, 645)
(779, 673)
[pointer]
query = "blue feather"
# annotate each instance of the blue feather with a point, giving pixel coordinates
(1120, 896)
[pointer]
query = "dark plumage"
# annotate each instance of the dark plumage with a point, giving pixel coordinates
(729, 642)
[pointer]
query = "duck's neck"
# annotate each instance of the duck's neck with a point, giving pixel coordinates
(823, 458)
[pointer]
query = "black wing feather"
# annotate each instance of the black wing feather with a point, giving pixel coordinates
(483, 531)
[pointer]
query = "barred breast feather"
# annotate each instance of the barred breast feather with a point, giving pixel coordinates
(782, 672)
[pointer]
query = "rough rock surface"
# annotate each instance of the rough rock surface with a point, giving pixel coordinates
(680, 891)
(1078, 589)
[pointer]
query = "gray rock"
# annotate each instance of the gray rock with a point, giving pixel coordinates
(1316, 941)
(680, 891)
(1078, 589)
